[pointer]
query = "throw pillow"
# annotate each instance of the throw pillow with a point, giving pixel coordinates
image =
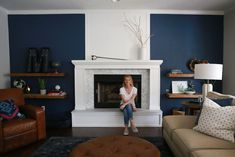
(8, 109)
(217, 121)
(222, 102)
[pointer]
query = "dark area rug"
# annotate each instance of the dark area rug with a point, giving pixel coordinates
(61, 146)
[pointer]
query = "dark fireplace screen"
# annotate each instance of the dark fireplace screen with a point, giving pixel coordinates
(107, 87)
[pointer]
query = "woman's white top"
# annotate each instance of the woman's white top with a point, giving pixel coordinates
(127, 96)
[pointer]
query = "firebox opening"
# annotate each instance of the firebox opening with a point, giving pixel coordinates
(107, 87)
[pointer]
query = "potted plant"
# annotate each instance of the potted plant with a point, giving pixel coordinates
(42, 86)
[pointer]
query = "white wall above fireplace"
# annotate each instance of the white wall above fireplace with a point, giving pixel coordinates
(106, 34)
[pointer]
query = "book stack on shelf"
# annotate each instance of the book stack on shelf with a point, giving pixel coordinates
(176, 71)
(56, 93)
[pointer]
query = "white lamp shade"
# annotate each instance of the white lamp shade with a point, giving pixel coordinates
(208, 71)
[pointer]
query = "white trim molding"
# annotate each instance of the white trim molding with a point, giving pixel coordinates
(81, 11)
(4, 10)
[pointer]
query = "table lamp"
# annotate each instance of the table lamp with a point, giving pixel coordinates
(208, 72)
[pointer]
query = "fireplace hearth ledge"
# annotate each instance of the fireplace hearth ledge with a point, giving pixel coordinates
(114, 118)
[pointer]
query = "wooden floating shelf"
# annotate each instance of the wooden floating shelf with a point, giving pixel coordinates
(182, 95)
(180, 75)
(39, 96)
(36, 74)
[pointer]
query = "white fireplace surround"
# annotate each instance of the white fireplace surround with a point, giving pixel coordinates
(86, 115)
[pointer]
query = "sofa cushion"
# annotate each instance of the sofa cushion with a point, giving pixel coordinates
(188, 140)
(18, 126)
(172, 122)
(214, 153)
(217, 121)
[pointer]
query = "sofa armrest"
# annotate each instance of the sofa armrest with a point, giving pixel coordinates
(216, 95)
(179, 121)
(38, 114)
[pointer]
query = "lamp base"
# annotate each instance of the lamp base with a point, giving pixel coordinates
(206, 88)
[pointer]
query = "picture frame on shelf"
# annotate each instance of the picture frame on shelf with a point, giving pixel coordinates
(179, 86)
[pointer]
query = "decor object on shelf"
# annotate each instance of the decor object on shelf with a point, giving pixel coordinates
(57, 87)
(38, 60)
(57, 92)
(55, 65)
(179, 86)
(31, 60)
(135, 26)
(176, 71)
(189, 92)
(44, 59)
(190, 89)
(27, 89)
(19, 83)
(42, 86)
(208, 72)
(94, 57)
(192, 62)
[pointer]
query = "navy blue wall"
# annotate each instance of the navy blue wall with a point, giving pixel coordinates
(179, 38)
(65, 36)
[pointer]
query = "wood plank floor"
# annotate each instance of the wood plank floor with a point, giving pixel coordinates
(26, 151)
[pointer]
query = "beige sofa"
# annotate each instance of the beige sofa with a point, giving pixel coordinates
(185, 142)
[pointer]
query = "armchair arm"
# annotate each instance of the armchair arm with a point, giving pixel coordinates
(38, 114)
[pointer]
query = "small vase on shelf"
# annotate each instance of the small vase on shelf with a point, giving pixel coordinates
(43, 91)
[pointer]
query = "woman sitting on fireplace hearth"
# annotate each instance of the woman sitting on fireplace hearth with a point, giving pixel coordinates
(128, 93)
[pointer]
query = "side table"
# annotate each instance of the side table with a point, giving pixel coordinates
(191, 107)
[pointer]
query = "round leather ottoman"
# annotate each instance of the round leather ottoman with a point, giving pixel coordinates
(115, 146)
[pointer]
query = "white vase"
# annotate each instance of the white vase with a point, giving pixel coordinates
(43, 91)
(143, 53)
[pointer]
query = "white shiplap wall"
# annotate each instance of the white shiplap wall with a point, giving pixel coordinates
(4, 50)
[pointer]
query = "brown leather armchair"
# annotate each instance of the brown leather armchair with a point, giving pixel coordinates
(19, 132)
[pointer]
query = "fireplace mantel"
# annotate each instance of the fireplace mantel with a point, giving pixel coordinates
(84, 72)
(125, 64)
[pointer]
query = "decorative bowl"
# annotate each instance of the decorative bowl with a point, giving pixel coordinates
(190, 92)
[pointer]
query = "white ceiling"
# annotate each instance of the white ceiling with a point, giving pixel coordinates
(208, 5)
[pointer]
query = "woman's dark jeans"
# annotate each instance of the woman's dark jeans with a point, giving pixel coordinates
(128, 114)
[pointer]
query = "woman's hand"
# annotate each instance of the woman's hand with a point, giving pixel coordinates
(125, 100)
(122, 106)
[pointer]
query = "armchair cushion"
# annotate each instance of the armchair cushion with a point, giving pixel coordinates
(8, 109)
(15, 126)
